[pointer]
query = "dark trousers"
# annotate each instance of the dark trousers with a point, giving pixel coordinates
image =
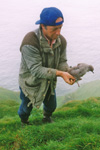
(49, 105)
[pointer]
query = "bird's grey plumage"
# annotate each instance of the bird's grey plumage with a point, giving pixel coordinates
(80, 70)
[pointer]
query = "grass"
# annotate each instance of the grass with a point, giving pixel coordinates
(85, 91)
(76, 127)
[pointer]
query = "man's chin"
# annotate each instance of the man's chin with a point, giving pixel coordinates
(55, 38)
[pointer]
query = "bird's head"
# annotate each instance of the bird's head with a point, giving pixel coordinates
(91, 68)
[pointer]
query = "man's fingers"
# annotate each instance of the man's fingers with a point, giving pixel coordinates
(72, 81)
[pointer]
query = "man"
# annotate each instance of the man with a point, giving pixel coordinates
(43, 59)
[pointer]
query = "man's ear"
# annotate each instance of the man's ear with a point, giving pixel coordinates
(43, 27)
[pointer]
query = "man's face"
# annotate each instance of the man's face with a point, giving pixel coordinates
(52, 32)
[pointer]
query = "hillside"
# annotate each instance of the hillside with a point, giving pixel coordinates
(6, 94)
(87, 90)
(76, 127)
(91, 89)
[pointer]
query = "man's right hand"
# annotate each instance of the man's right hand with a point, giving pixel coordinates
(66, 76)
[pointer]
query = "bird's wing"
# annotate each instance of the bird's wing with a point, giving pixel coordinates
(75, 71)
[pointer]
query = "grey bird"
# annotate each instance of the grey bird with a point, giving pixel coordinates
(80, 70)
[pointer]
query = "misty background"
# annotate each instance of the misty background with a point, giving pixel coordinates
(81, 29)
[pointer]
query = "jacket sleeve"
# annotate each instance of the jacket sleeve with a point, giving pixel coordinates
(63, 66)
(33, 62)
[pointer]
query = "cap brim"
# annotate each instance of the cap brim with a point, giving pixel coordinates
(38, 22)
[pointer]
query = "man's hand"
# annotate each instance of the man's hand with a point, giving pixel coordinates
(66, 76)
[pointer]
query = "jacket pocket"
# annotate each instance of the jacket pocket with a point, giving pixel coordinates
(32, 90)
(32, 85)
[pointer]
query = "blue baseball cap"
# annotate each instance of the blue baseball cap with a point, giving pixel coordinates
(49, 16)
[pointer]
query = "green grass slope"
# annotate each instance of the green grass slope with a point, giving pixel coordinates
(76, 127)
(8, 95)
(91, 89)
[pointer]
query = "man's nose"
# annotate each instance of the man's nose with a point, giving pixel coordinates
(58, 32)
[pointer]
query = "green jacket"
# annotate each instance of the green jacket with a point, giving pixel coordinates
(39, 63)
